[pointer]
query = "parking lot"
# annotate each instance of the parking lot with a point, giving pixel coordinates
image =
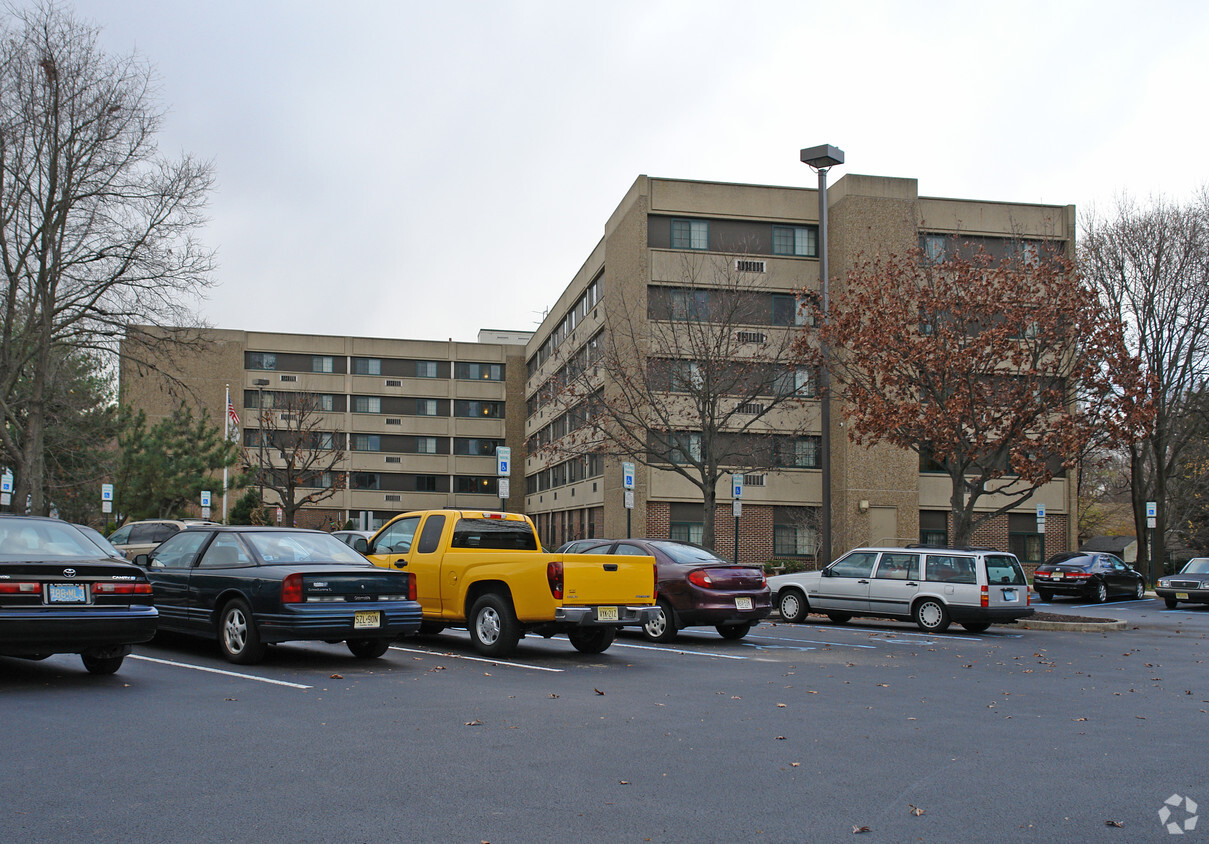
(798, 732)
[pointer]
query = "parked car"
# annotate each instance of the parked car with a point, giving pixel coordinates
(249, 587)
(99, 540)
(349, 537)
(578, 546)
(695, 588)
(1089, 575)
(134, 538)
(976, 587)
(1190, 584)
(59, 593)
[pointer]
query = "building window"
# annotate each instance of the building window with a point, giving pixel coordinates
(367, 366)
(426, 483)
(933, 528)
(686, 376)
(325, 402)
(367, 404)
(935, 248)
(325, 441)
(426, 369)
(690, 234)
(790, 310)
(799, 381)
(426, 407)
(476, 445)
(795, 240)
(472, 409)
(480, 371)
(1023, 539)
(798, 452)
(686, 532)
(322, 363)
(367, 442)
(476, 485)
(365, 480)
(689, 304)
(426, 445)
(686, 446)
(793, 538)
(261, 360)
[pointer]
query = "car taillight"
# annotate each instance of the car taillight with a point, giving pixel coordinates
(554, 575)
(411, 587)
(291, 589)
(121, 588)
(19, 588)
(1078, 575)
(701, 578)
(986, 596)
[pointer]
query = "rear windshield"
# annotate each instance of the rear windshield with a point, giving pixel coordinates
(1004, 569)
(681, 553)
(499, 534)
(284, 546)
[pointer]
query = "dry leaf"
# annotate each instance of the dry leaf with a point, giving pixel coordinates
(780, 738)
(780, 706)
(598, 691)
(337, 677)
(915, 810)
(884, 685)
(553, 696)
(1078, 719)
(795, 764)
(623, 782)
(1116, 824)
(475, 723)
(857, 830)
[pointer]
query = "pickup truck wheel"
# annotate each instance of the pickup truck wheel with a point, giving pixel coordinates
(594, 640)
(733, 631)
(493, 626)
(368, 648)
(662, 628)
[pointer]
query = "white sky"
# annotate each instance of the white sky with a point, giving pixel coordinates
(426, 169)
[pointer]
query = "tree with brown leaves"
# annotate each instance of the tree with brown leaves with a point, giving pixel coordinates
(999, 372)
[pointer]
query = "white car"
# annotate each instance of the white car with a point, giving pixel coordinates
(976, 587)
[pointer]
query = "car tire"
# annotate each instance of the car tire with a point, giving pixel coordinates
(494, 629)
(733, 631)
(839, 617)
(430, 628)
(1099, 592)
(101, 664)
(592, 640)
(1139, 591)
(368, 648)
(980, 627)
(931, 616)
(1171, 603)
(238, 638)
(793, 606)
(1045, 595)
(662, 628)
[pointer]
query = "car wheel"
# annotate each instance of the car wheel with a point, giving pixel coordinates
(430, 628)
(662, 628)
(1171, 603)
(980, 627)
(493, 626)
(593, 640)
(793, 606)
(1139, 591)
(733, 631)
(238, 637)
(368, 648)
(931, 616)
(1045, 595)
(101, 664)
(1099, 592)
(839, 617)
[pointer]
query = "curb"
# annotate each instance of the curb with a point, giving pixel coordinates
(1075, 626)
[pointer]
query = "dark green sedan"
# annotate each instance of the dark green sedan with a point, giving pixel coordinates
(249, 587)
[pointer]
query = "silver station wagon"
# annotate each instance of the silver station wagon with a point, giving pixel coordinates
(975, 587)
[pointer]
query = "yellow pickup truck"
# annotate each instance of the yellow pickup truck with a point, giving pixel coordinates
(487, 572)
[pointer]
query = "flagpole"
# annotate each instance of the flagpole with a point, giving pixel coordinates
(226, 438)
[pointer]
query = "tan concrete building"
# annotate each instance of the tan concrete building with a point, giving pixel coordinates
(879, 495)
(419, 420)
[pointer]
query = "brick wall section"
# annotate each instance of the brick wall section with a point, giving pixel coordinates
(755, 530)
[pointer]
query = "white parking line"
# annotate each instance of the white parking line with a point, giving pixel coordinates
(476, 659)
(810, 642)
(219, 671)
(676, 651)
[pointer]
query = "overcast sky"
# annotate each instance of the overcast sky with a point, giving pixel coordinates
(423, 170)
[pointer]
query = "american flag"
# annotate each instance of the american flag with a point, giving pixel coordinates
(231, 414)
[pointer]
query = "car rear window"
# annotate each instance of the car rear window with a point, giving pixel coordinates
(686, 553)
(951, 569)
(493, 533)
(1004, 569)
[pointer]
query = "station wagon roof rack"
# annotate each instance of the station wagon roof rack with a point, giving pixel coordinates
(953, 547)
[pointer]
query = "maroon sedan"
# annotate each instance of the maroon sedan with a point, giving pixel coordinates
(696, 588)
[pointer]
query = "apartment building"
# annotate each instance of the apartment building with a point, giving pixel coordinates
(635, 281)
(418, 421)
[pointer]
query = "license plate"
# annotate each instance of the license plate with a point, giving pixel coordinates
(1056, 575)
(742, 603)
(1183, 596)
(65, 593)
(367, 618)
(606, 614)
(1009, 595)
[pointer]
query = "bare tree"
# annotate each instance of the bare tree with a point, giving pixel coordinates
(294, 453)
(95, 226)
(1152, 267)
(695, 377)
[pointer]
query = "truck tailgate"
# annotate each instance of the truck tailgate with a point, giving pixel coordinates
(607, 579)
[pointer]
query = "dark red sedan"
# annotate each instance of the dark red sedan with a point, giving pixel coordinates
(696, 588)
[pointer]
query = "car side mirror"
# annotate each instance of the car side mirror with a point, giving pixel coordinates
(361, 545)
(826, 573)
(142, 560)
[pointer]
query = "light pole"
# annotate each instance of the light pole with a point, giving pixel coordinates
(821, 159)
(260, 384)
